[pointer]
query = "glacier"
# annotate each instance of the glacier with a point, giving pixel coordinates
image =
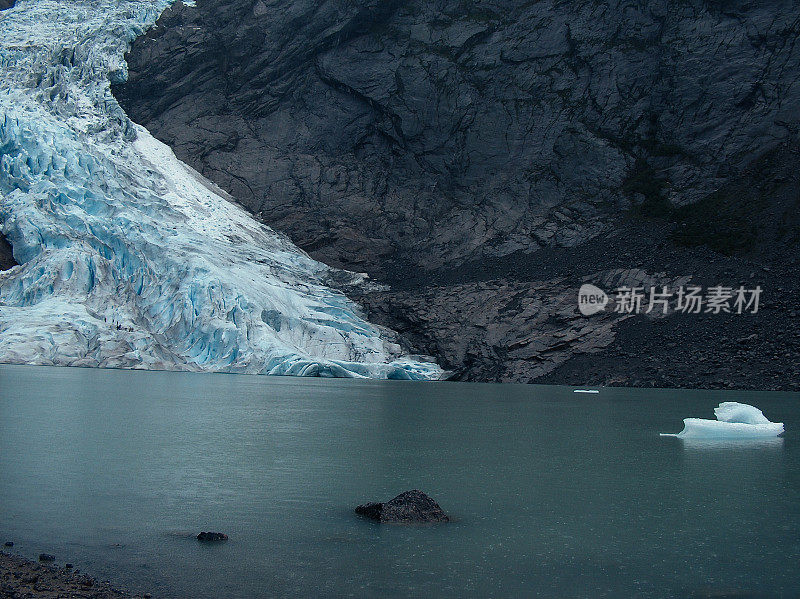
(129, 258)
(734, 421)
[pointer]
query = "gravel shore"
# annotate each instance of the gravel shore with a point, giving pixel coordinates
(20, 577)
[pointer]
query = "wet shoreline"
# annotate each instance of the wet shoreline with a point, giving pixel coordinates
(21, 577)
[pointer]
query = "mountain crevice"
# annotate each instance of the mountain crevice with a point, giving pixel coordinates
(6, 254)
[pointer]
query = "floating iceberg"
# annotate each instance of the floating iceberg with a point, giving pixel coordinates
(585, 391)
(129, 258)
(734, 421)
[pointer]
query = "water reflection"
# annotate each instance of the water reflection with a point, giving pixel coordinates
(771, 444)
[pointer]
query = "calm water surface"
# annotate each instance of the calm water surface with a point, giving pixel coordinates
(554, 494)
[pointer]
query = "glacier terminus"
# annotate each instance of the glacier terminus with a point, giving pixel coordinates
(129, 258)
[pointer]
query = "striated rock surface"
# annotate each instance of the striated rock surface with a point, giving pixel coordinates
(483, 158)
(439, 132)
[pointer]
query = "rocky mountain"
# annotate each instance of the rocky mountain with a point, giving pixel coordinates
(484, 158)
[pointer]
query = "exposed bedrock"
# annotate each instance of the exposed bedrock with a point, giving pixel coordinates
(446, 146)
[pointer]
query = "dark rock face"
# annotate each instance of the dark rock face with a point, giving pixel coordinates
(6, 254)
(442, 132)
(212, 537)
(527, 329)
(4, 4)
(410, 507)
(484, 158)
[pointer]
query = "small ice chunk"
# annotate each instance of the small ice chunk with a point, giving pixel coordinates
(586, 391)
(734, 421)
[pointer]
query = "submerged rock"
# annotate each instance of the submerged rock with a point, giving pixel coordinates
(410, 507)
(46, 557)
(9, 543)
(212, 537)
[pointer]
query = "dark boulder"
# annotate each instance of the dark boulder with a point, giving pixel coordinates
(9, 543)
(212, 537)
(410, 507)
(46, 557)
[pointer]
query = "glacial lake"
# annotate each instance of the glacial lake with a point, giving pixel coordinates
(552, 493)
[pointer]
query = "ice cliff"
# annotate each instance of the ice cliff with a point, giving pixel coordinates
(129, 258)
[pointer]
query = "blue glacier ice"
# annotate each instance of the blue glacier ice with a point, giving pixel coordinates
(129, 258)
(734, 421)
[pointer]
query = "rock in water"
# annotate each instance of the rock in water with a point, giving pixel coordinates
(212, 537)
(410, 507)
(46, 557)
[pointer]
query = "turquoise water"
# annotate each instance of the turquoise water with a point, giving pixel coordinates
(553, 494)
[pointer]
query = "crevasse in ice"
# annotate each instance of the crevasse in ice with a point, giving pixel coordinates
(734, 421)
(129, 258)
